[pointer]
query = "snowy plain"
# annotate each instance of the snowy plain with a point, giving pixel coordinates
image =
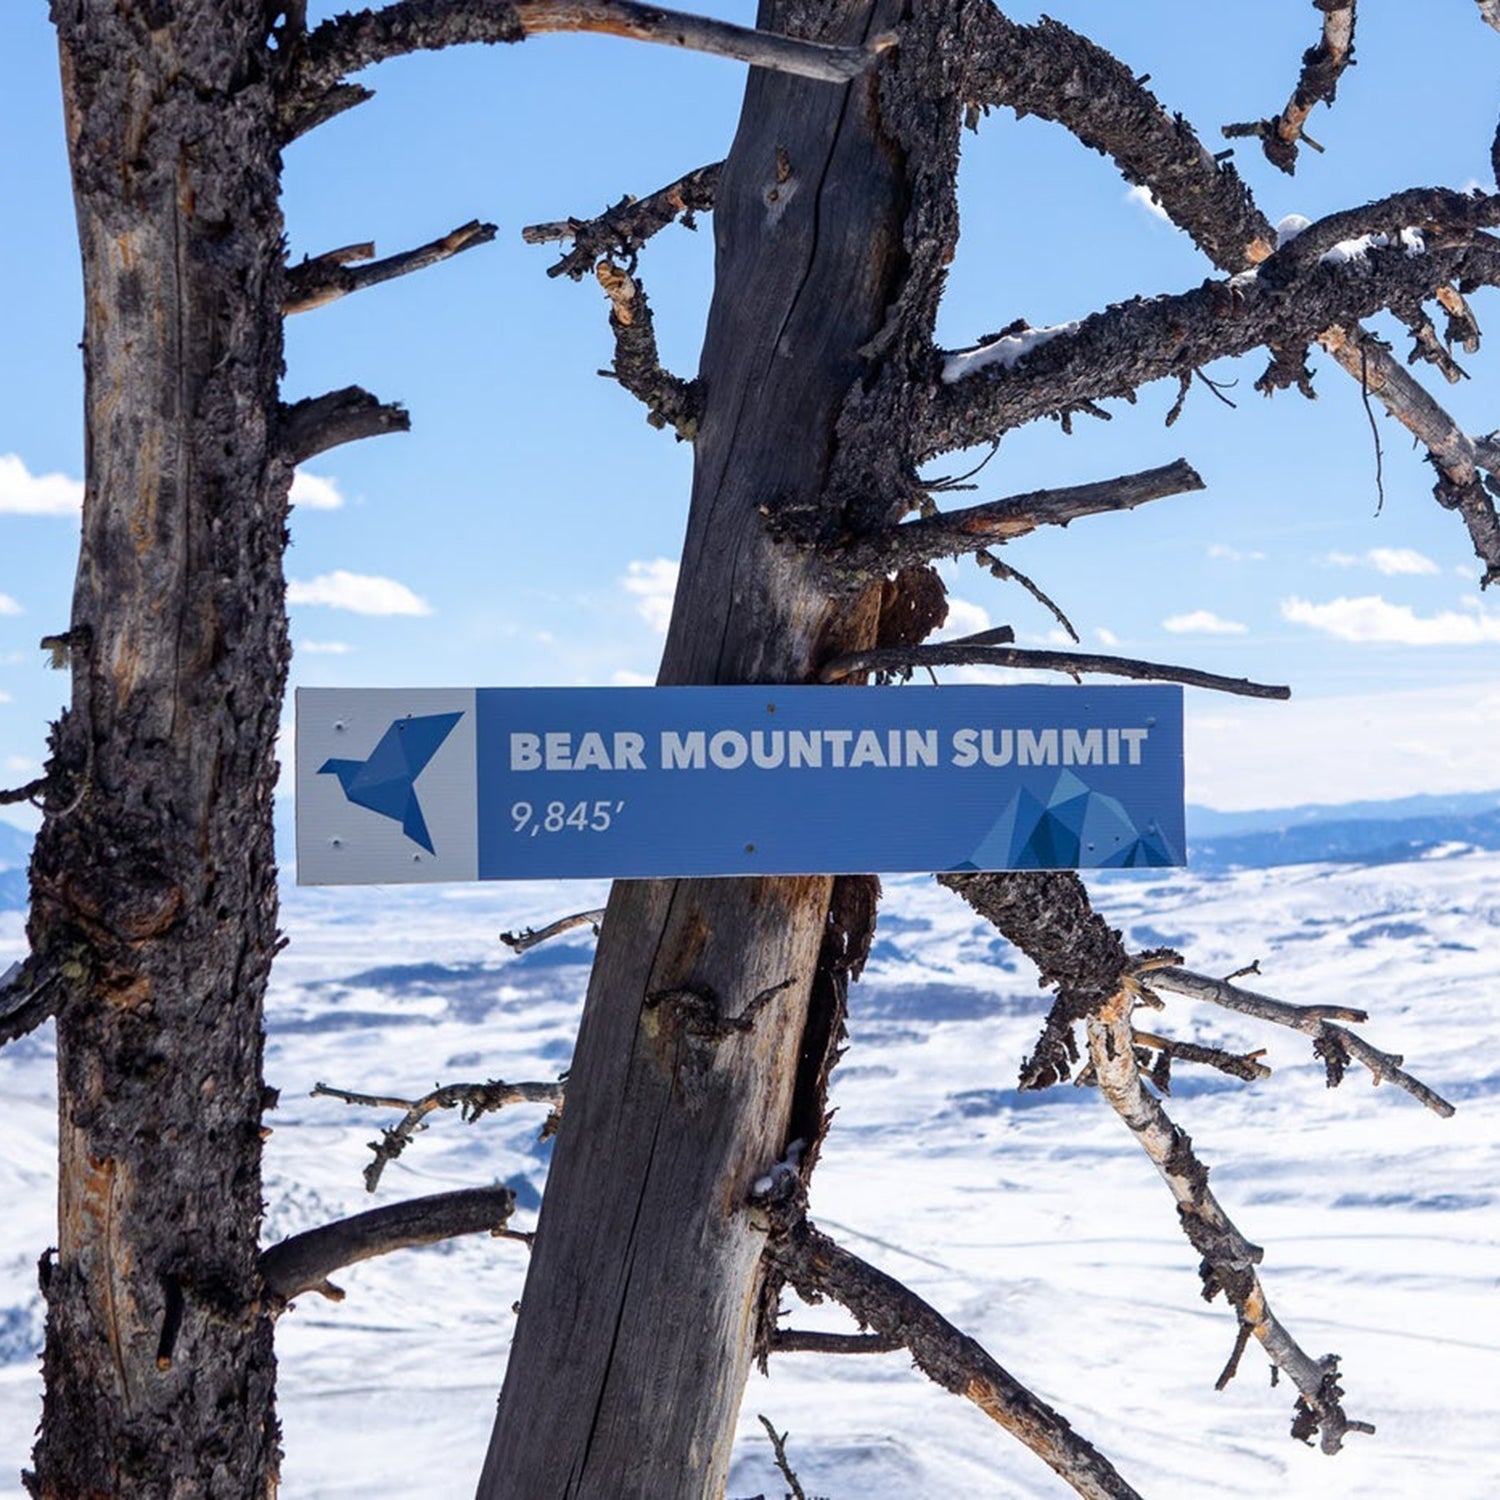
(1031, 1220)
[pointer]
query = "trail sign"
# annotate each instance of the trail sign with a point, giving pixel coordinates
(525, 783)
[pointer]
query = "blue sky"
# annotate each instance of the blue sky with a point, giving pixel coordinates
(523, 532)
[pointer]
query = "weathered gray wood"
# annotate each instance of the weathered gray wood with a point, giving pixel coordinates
(154, 901)
(636, 1324)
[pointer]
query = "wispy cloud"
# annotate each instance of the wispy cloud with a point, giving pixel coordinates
(1393, 562)
(4, 696)
(325, 648)
(1222, 552)
(315, 492)
(1202, 622)
(8, 606)
(1143, 197)
(23, 493)
(1107, 637)
(653, 583)
(361, 593)
(1373, 619)
(624, 678)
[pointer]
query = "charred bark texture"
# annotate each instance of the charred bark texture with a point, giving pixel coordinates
(154, 900)
(625, 1377)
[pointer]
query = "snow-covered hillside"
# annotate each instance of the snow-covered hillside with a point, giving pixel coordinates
(1031, 1220)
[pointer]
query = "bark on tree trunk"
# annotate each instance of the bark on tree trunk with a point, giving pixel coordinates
(639, 1311)
(154, 875)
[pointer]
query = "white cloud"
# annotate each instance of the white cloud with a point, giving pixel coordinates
(8, 606)
(313, 492)
(21, 765)
(1107, 637)
(4, 696)
(624, 678)
(1391, 561)
(1202, 622)
(1222, 552)
(964, 618)
(359, 592)
(1143, 197)
(325, 648)
(1371, 618)
(653, 583)
(23, 493)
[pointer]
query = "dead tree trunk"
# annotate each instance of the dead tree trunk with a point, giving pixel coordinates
(637, 1321)
(154, 902)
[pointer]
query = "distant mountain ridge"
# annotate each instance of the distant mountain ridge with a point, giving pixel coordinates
(1404, 828)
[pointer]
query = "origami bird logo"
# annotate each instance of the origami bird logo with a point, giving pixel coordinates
(385, 781)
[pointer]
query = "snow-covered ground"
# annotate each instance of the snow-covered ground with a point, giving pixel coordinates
(1032, 1221)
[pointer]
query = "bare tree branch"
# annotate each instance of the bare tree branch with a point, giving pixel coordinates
(622, 230)
(471, 1100)
(304, 1262)
(314, 425)
(28, 793)
(952, 533)
(817, 1268)
(1322, 67)
(1489, 11)
(1315, 1021)
(900, 659)
(669, 400)
(355, 40)
(26, 1002)
(810, 1341)
(326, 278)
(1246, 1065)
(1053, 72)
(783, 1463)
(519, 942)
(1229, 1259)
(1285, 304)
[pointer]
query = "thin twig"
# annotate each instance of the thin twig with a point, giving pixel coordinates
(471, 1099)
(623, 229)
(1364, 395)
(1312, 1020)
(953, 654)
(778, 1445)
(327, 277)
(1006, 573)
(1246, 1065)
(519, 942)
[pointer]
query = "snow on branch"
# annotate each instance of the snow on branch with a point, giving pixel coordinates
(819, 1268)
(1285, 304)
(471, 1100)
(318, 62)
(325, 278)
(1058, 75)
(1322, 66)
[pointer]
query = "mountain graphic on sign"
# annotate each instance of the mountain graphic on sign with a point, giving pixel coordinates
(385, 781)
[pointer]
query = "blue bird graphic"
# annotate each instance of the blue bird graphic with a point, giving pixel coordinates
(385, 781)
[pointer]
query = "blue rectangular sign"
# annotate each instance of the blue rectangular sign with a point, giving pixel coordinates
(527, 783)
